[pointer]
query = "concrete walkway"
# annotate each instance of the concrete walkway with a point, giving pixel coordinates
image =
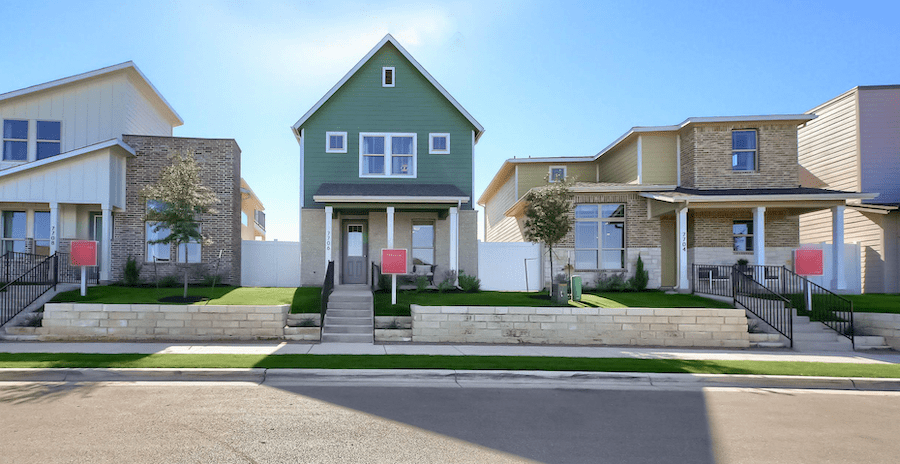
(267, 348)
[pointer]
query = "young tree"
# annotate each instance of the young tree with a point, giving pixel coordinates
(548, 216)
(177, 201)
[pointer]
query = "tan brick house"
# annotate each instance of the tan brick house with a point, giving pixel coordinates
(708, 191)
(75, 154)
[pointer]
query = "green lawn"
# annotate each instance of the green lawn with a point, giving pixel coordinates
(303, 299)
(306, 361)
(875, 302)
(649, 299)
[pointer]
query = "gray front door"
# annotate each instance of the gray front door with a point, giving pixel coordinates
(355, 246)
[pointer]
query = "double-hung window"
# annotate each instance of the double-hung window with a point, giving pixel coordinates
(189, 252)
(743, 235)
(387, 155)
(14, 224)
(48, 139)
(600, 236)
(743, 150)
(423, 242)
(15, 140)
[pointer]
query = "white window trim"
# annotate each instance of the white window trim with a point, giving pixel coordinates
(755, 151)
(328, 148)
(3, 140)
(422, 222)
(550, 173)
(748, 235)
(37, 140)
(393, 76)
(388, 165)
(147, 245)
(432, 150)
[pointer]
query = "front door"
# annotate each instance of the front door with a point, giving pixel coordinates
(355, 251)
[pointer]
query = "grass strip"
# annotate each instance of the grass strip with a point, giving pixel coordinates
(307, 361)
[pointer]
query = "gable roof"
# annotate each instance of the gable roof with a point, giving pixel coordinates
(118, 143)
(479, 129)
(127, 66)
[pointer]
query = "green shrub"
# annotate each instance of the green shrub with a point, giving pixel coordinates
(168, 281)
(132, 275)
(33, 321)
(641, 277)
(307, 323)
(212, 280)
(449, 282)
(421, 283)
(613, 283)
(469, 284)
(384, 281)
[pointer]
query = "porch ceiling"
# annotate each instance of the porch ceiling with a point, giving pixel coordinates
(800, 200)
(390, 194)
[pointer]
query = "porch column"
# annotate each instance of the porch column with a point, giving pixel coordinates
(681, 226)
(839, 280)
(390, 227)
(759, 235)
(106, 245)
(329, 212)
(54, 227)
(454, 240)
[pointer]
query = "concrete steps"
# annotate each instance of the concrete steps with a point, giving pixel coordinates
(816, 336)
(349, 317)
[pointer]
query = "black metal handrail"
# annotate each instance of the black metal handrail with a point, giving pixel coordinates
(14, 263)
(712, 279)
(327, 288)
(770, 307)
(376, 276)
(23, 290)
(69, 274)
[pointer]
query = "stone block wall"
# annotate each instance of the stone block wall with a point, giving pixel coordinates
(878, 324)
(220, 170)
(102, 322)
(690, 327)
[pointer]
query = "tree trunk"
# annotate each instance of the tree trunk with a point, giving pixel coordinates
(185, 281)
(551, 270)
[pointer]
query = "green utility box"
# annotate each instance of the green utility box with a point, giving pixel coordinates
(576, 288)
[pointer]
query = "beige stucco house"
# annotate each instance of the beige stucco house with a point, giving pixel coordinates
(708, 191)
(853, 145)
(253, 214)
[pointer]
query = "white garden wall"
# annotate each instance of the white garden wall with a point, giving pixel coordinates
(511, 267)
(270, 264)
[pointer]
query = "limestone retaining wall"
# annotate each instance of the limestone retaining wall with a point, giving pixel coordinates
(879, 324)
(581, 326)
(74, 321)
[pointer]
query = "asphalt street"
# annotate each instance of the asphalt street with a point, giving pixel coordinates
(243, 422)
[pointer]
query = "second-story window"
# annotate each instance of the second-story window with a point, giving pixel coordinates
(15, 140)
(387, 76)
(438, 144)
(48, 139)
(557, 173)
(335, 142)
(743, 150)
(387, 155)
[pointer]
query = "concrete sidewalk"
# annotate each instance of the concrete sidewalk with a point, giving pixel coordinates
(275, 348)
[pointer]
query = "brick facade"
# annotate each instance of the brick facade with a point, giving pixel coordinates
(713, 228)
(706, 157)
(220, 170)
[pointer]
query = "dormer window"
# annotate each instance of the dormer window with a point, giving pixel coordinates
(438, 144)
(15, 140)
(387, 76)
(48, 139)
(335, 142)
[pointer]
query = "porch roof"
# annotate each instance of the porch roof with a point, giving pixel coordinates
(682, 195)
(390, 193)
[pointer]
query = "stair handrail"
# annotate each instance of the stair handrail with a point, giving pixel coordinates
(327, 288)
(31, 290)
(760, 301)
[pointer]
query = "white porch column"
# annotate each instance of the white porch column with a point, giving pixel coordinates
(329, 213)
(390, 227)
(759, 235)
(454, 239)
(106, 244)
(54, 227)
(839, 281)
(681, 227)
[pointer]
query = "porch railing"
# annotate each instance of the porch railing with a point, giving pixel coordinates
(770, 307)
(69, 274)
(327, 288)
(24, 289)
(13, 264)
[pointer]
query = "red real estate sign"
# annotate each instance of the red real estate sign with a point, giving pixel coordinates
(809, 262)
(393, 261)
(83, 253)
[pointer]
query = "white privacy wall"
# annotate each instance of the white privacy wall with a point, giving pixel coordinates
(270, 264)
(504, 266)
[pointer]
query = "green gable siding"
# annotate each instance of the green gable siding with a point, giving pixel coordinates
(363, 105)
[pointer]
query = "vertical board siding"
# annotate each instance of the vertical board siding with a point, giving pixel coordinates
(619, 164)
(864, 228)
(879, 139)
(827, 145)
(658, 159)
(363, 105)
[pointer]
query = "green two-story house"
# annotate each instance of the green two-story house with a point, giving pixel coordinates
(386, 161)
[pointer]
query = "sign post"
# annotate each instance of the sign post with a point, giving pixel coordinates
(809, 262)
(393, 261)
(83, 253)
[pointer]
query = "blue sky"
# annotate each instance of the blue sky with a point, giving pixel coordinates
(543, 78)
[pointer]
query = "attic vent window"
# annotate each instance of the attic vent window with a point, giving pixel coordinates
(387, 77)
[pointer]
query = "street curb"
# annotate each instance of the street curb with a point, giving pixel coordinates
(449, 378)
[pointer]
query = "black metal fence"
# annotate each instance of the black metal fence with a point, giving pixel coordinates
(13, 264)
(69, 274)
(23, 290)
(712, 279)
(772, 308)
(327, 288)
